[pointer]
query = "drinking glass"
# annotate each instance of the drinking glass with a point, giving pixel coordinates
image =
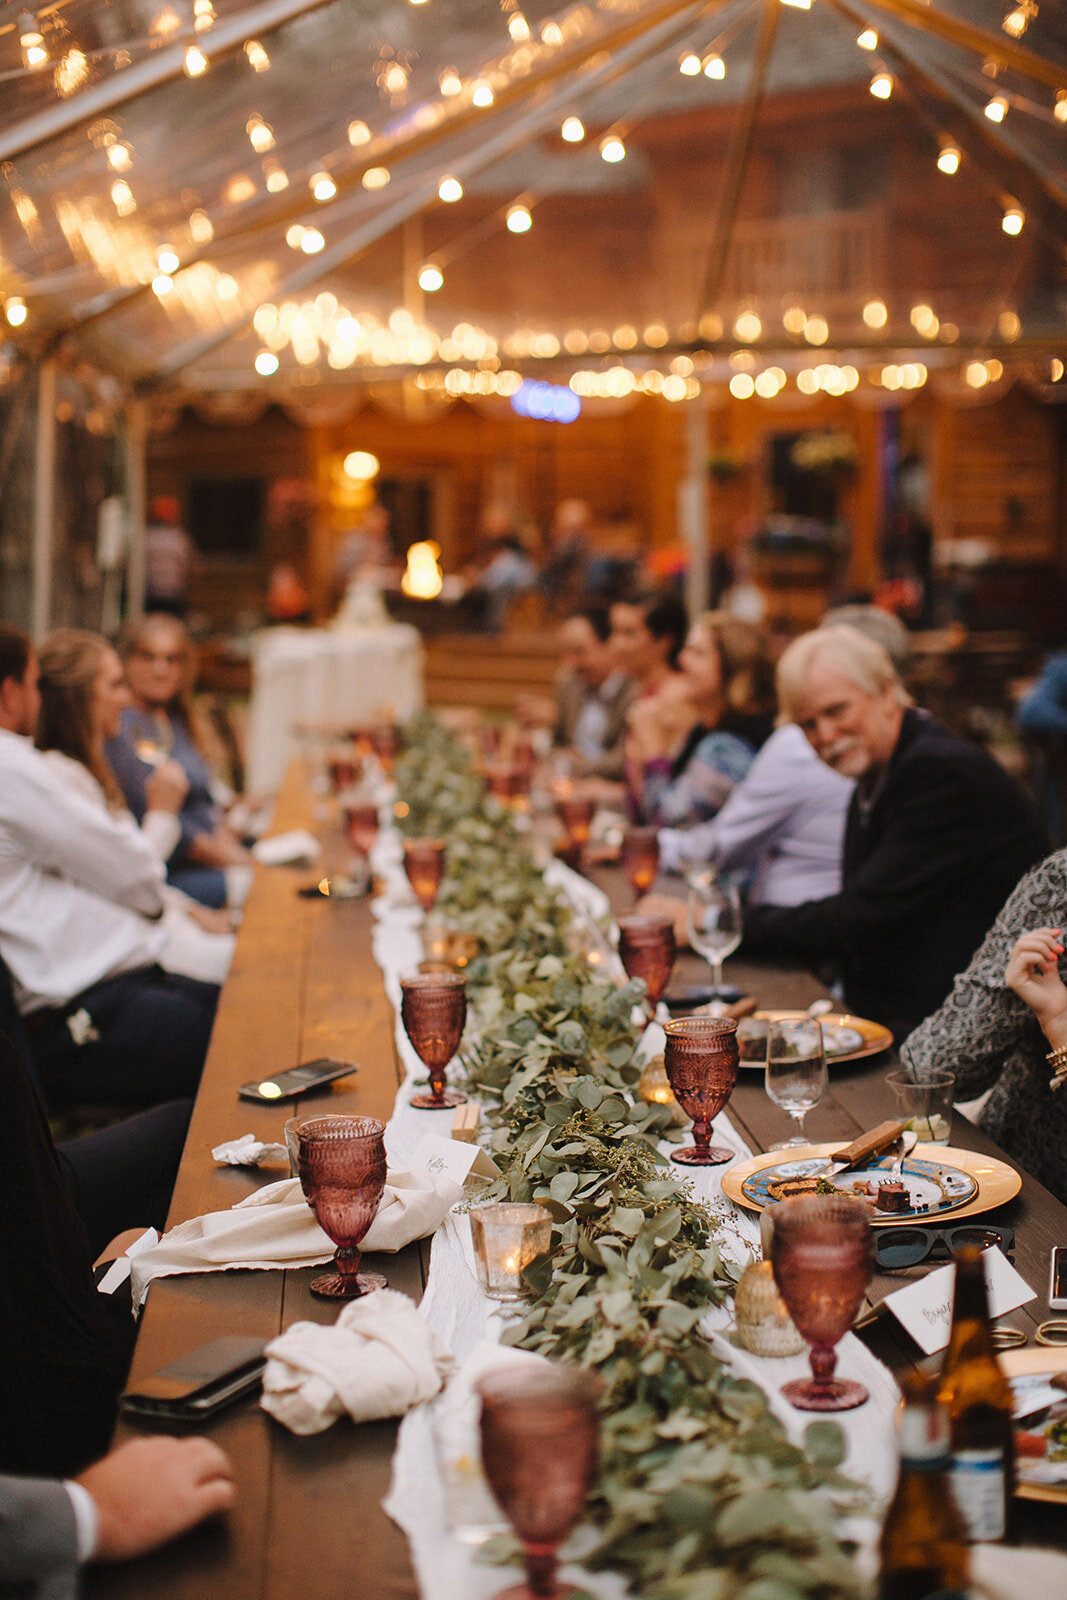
(433, 1010)
(796, 1071)
(926, 1103)
(576, 815)
(822, 1255)
(385, 742)
(640, 856)
(504, 779)
(361, 825)
(540, 1438)
(647, 949)
(713, 913)
(701, 1058)
(424, 863)
(341, 1165)
(151, 735)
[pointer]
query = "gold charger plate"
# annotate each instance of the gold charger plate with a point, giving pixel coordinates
(997, 1182)
(1017, 1363)
(875, 1037)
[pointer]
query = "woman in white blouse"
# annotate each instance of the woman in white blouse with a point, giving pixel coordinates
(83, 695)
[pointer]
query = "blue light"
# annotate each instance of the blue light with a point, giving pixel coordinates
(546, 402)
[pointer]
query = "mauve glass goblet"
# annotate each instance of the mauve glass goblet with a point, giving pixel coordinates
(540, 1439)
(647, 949)
(640, 857)
(341, 1165)
(424, 863)
(344, 770)
(576, 814)
(433, 1009)
(701, 1058)
(502, 778)
(361, 825)
(385, 741)
(822, 1255)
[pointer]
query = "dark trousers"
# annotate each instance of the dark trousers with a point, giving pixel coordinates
(122, 1176)
(206, 884)
(152, 1029)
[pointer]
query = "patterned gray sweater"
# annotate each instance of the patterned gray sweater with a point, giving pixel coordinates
(991, 1039)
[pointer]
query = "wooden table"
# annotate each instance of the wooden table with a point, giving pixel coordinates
(308, 1518)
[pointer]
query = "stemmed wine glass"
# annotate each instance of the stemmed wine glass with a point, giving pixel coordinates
(151, 735)
(701, 1059)
(647, 949)
(341, 1165)
(640, 856)
(540, 1438)
(576, 814)
(344, 767)
(713, 913)
(822, 1256)
(433, 1010)
(361, 825)
(424, 863)
(796, 1071)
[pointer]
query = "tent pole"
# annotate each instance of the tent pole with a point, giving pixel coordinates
(44, 498)
(136, 451)
(693, 508)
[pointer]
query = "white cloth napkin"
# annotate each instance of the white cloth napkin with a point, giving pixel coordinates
(378, 1360)
(285, 849)
(248, 1151)
(275, 1227)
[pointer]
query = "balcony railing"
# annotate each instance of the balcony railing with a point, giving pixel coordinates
(822, 260)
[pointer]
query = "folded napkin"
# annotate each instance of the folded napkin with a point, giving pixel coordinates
(379, 1359)
(248, 1151)
(286, 849)
(275, 1227)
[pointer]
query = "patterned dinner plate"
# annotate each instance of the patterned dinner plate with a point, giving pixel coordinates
(845, 1037)
(1040, 1456)
(935, 1186)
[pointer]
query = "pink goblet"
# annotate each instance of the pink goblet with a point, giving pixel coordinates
(822, 1255)
(701, 1058)
(540, 1436)
(647, 949)
(424, 863)
(576, 814)
(433, 1010)
(341, 1164)
(640, 857)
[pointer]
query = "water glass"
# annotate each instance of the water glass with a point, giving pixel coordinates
(714, 917)
(796, 1071)
(926, 1104)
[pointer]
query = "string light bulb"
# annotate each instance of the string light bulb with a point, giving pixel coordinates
(31, 41)
(275, 177)
(203, 15)
(794, 319)
(450, 83)
(260, 134)
(15, 310)
(573, 130)
(431, 278)
(868, 39)
(450, 190)
(162, 284)
(312, 242)
(551, 33)
(165, 23)
(194, 63)
(875, 314)
(997, 108)
(482, 94)
(748, 327)
(266, 363)
(612, 148)
(122, 198)
(119, 156)
(881, 85)
(948, 160)
(167, 258)
(518, 27)
(258, 59)
(71, 72)
(201, 227)
(715, 67)
(1013, 220)
(798, 5)
(1059, 110)
(358, 133)
(689, 65)
(376, 177)
(322, 186)
(519, 219)
(1019, 18)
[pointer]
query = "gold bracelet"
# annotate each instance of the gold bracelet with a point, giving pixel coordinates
(1057, 1060)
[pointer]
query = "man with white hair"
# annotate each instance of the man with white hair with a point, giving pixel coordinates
(937, 835)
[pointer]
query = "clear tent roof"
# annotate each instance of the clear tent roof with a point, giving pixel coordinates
(381, 96)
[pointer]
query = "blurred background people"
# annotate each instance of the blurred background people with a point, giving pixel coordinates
(565, 569)
(648, 631)
(170, 557)
(592, 696)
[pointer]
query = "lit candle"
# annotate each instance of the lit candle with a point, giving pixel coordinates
(508, 1238)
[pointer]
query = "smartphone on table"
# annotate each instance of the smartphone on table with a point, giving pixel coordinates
(296, 1080)
(199, 1385)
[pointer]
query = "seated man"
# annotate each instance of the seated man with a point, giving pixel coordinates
(588, 718)
(142, 1494)
(937, 835)
(80, 904)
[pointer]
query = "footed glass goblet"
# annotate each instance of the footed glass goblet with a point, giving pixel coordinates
(424, 863)
(822, 1254)
(576, 814)
(540, 1436)
(647, 950)
(433, 1010)
(640, 857)
(361, 825)
(701, 1058)
(341, 1166)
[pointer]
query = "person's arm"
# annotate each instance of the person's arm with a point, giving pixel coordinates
(1044, 709)
(152, 1489)
(717, 765)
(220, 848)
(38, 1538)
(753, 816)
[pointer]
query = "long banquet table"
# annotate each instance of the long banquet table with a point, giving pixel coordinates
(308, 1519)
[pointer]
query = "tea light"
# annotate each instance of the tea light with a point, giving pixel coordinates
(764, 1326)
(435, 941)
(508, 1238)
(655, 1090)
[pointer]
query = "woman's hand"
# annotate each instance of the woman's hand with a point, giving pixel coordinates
(1033, 974)
(659, 723)
(166, 788)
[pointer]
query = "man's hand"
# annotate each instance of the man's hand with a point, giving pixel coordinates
(1033, 974)
(150, 1490)
(166, 788)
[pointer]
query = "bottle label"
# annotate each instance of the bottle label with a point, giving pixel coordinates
(979, 1488)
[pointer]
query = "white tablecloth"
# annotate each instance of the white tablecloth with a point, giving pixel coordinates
(310, 675)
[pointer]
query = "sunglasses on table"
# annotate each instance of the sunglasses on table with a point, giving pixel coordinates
(906, 1247)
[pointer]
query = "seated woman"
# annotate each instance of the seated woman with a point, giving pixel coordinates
(691, 743)
(83, 696)
(1004, 1022)
(647, 635)
(158, 658)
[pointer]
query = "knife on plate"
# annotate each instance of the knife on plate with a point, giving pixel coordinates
(866, 1148)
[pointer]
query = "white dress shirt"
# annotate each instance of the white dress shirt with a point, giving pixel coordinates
(785, 821)
(77, 886)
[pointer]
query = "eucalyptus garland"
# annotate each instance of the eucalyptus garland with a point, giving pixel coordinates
(701, 1495)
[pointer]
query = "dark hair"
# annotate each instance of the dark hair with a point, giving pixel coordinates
(665, 617)
(70, 660)
(16, 648)
(598, 618)
(747, 676)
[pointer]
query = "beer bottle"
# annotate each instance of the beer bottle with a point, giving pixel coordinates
(924, 1542)
(979, 1402)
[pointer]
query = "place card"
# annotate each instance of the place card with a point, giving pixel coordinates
(454, 1159)
(924, 1309)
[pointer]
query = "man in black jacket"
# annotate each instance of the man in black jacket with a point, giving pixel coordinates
(937, 835)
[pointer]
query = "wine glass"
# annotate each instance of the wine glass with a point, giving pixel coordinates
(361, 825)
(433, 1010)
(385, 741)
(640, 855)
(822, 1255)
(576, 814)
(701, 1058)
(424, 863)
(796, 1070)
(344, 768)
(713, 912)
(151, 735)
(341, 1165)
(540, 1438)
(647, 950)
